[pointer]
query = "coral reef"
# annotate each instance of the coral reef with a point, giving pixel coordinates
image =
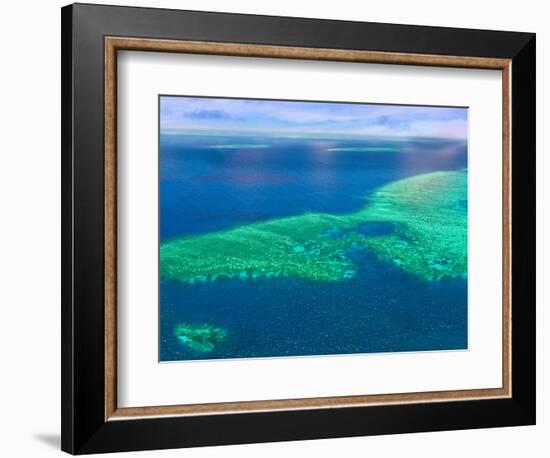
(431, 224)
(419, 224)
(200, 337)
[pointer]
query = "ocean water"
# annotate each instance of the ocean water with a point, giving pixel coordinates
(210, 184)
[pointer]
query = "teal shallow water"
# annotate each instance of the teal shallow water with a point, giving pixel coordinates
(379, 300)
(428, 238)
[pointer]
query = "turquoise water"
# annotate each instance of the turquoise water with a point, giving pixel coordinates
(212, 185)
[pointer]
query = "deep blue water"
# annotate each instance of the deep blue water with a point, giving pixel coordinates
(383, 309)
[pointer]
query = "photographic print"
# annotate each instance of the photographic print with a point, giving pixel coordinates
(302, 228)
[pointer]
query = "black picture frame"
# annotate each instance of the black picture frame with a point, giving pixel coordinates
(84, 427)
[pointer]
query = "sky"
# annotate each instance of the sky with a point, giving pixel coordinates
(275, 117)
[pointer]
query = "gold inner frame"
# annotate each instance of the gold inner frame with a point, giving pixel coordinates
(112, 45)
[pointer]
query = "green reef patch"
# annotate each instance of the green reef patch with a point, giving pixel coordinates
(431, 233)
(200, 337)
(419, 224)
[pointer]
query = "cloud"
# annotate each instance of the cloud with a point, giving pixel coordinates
(391, 122)
(254, 115)
(209, 114)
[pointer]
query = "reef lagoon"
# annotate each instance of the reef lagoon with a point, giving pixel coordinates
(308, 245)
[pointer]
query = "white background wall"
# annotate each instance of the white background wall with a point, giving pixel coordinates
(30, 227)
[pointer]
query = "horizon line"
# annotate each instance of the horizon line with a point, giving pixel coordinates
(336, 135)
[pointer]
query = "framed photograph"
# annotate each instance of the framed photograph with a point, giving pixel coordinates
(281, 228)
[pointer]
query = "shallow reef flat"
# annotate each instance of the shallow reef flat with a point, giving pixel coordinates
(200, 337)
(431, 217)
(419, 224)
